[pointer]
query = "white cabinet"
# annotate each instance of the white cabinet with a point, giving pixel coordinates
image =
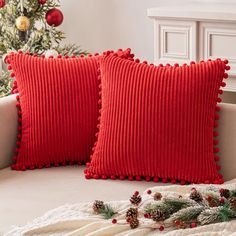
(194, 33)
(169, 34)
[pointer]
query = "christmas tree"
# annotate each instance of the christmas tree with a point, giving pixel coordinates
(31, 26)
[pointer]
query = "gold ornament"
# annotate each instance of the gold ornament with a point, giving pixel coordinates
(22, 23)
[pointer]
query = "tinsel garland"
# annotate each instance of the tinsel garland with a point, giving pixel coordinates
(199, 207)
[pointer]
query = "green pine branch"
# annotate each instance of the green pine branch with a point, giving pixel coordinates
(186, 215)
(107, 212)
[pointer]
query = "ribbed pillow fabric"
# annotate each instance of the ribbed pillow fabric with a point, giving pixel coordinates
(158, 122)
(58, 109)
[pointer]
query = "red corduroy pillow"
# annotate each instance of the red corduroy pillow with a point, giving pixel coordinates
(158, 122)
(58, 109)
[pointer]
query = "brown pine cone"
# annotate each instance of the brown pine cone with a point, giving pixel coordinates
(225, 193)
(196, 196)
(157, 196)
(157, 215)
(98, 205)
(131, 213)
(232, 202)
(134, 223)
(135, 199)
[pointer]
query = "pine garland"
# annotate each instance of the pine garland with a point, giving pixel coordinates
(176, 204)
(208, 216)
(186, 215)
(211, 207)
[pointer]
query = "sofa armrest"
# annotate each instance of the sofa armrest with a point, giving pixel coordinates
(227, 140)
(8, 129)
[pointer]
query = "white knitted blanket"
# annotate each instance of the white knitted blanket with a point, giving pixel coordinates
(79, 220)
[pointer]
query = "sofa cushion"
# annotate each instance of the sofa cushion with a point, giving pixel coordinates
(58, 109)
(158, 122)
(27, 195)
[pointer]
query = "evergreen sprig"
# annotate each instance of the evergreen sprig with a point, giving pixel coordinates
(233, 193)
(107, 212)
(226, 213)
(186, 215)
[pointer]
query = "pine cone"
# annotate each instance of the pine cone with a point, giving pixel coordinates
(224, 193)
(134, 223)
(157, 215)
(98, 205)
(157, 196)
(232, 202)
(135, 199)
(132, 213)
(196, 196)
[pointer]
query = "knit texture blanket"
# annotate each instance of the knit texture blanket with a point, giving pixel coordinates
(79, 220)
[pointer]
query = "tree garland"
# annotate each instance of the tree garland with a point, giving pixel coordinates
(197, 209)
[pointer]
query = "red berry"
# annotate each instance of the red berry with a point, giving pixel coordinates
(136, 193)
(177, 222)
(222, 200)
(114, 221)
(149, 191)
(161, 228)
(209, 198)
(146, 215)
(193, 225)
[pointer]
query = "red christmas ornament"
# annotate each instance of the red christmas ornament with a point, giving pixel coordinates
(42, 2)
(136, 193)
(54, 17)
(2, 3)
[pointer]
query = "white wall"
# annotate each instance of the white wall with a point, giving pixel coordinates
(99, 25)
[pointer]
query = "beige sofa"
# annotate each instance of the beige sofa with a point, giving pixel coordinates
(26, 195)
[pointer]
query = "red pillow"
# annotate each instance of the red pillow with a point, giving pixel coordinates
(158, 122)
(58, 109)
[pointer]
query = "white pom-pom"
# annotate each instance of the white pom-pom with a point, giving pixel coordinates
(51, 52)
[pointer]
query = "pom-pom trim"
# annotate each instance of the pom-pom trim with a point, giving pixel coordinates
(215, 150)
